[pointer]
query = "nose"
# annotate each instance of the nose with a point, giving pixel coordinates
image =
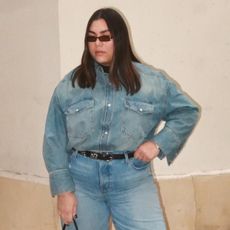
(98, 42)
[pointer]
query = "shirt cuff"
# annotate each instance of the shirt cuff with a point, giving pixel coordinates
(61, 181)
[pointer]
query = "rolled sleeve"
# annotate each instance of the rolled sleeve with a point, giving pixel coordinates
(54, 149)
(61, 181)
(181, 115)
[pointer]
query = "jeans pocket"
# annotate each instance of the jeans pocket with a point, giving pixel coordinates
(139, 164)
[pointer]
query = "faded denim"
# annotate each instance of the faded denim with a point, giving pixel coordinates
(121, 189)
(103, 119)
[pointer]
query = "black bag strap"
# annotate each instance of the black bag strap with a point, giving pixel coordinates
(66, 225)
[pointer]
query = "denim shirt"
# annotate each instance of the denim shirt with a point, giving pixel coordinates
(106, 119)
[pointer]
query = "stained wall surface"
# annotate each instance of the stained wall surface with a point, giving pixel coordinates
(30, 69)
(42, 40)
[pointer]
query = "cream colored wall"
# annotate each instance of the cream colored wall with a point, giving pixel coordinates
(190, 41)
(30, 68)
(39, 43)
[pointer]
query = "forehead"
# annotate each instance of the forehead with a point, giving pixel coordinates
(98, 26)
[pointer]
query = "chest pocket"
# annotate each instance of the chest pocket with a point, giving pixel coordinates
(139, 107)
(137, 120)
(79, 118)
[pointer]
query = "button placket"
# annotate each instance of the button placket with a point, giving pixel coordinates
(106, 120)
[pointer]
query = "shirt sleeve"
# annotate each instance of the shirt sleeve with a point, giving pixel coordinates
(54, 149)
(180, 116)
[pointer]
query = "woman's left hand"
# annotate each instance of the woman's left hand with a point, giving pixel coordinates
(146, 151)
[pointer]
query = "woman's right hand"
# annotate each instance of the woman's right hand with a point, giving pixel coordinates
(67, 206)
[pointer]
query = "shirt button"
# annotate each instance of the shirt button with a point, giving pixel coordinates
(109, 105)
(77, 110)
(106, 132)
(141, 109)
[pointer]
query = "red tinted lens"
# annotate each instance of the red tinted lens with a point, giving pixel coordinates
(104, 38)
(91, 38)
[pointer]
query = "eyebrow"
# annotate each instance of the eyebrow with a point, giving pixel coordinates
(101, 32)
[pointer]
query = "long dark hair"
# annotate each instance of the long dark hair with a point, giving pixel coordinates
(122, 71)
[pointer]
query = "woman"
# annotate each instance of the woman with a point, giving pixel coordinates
(100, 132)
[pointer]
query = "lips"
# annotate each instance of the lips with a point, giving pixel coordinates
(100, 52)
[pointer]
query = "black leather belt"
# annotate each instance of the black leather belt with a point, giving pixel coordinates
(106, 156)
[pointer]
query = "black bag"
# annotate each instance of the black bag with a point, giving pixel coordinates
(66, 225)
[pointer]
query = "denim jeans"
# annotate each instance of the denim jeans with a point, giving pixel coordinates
(121, 189)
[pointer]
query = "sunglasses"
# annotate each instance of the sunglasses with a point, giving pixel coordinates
(102, 38)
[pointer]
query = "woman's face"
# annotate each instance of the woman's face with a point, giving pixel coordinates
(101, 51)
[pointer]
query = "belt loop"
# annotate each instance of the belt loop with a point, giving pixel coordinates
(126, 158)
(74, 152)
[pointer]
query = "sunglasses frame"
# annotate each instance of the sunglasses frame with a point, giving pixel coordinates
(102, 38)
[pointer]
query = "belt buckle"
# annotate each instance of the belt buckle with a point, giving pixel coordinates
(108, 156)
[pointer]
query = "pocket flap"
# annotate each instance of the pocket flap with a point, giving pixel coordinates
(140, 107)
(79, 106)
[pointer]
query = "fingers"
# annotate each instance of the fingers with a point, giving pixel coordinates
(67, 216)
(146, 152)
(140, 155)
(67, 207)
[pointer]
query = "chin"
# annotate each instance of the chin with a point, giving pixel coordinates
(102, 60)
(105, 63)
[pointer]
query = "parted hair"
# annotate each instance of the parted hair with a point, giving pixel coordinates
(121, 71)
